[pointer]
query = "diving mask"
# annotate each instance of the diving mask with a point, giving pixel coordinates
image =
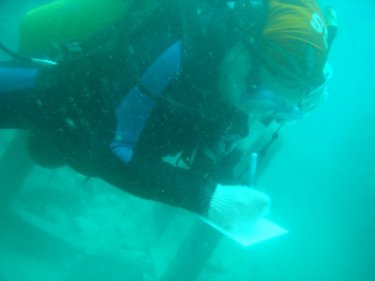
(274, 98)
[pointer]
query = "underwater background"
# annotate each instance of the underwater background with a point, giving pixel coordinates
(56, 225)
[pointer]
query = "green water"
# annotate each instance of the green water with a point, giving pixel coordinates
(322, 183)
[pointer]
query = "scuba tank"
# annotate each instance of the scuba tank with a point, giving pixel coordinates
(46, 27)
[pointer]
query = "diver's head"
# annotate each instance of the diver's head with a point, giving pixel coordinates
(287, 71)
(294, 44)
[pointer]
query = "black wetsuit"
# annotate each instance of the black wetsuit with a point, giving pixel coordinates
(71, 110)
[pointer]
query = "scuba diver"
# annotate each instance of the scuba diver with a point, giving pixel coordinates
(155, 96)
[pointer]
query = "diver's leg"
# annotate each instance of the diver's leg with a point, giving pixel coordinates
(19, 110)
(16, 95)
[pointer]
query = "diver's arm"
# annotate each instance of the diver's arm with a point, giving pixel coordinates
(176, 186)
(161, 182)
(224, 205)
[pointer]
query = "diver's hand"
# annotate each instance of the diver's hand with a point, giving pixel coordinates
(233, 206)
